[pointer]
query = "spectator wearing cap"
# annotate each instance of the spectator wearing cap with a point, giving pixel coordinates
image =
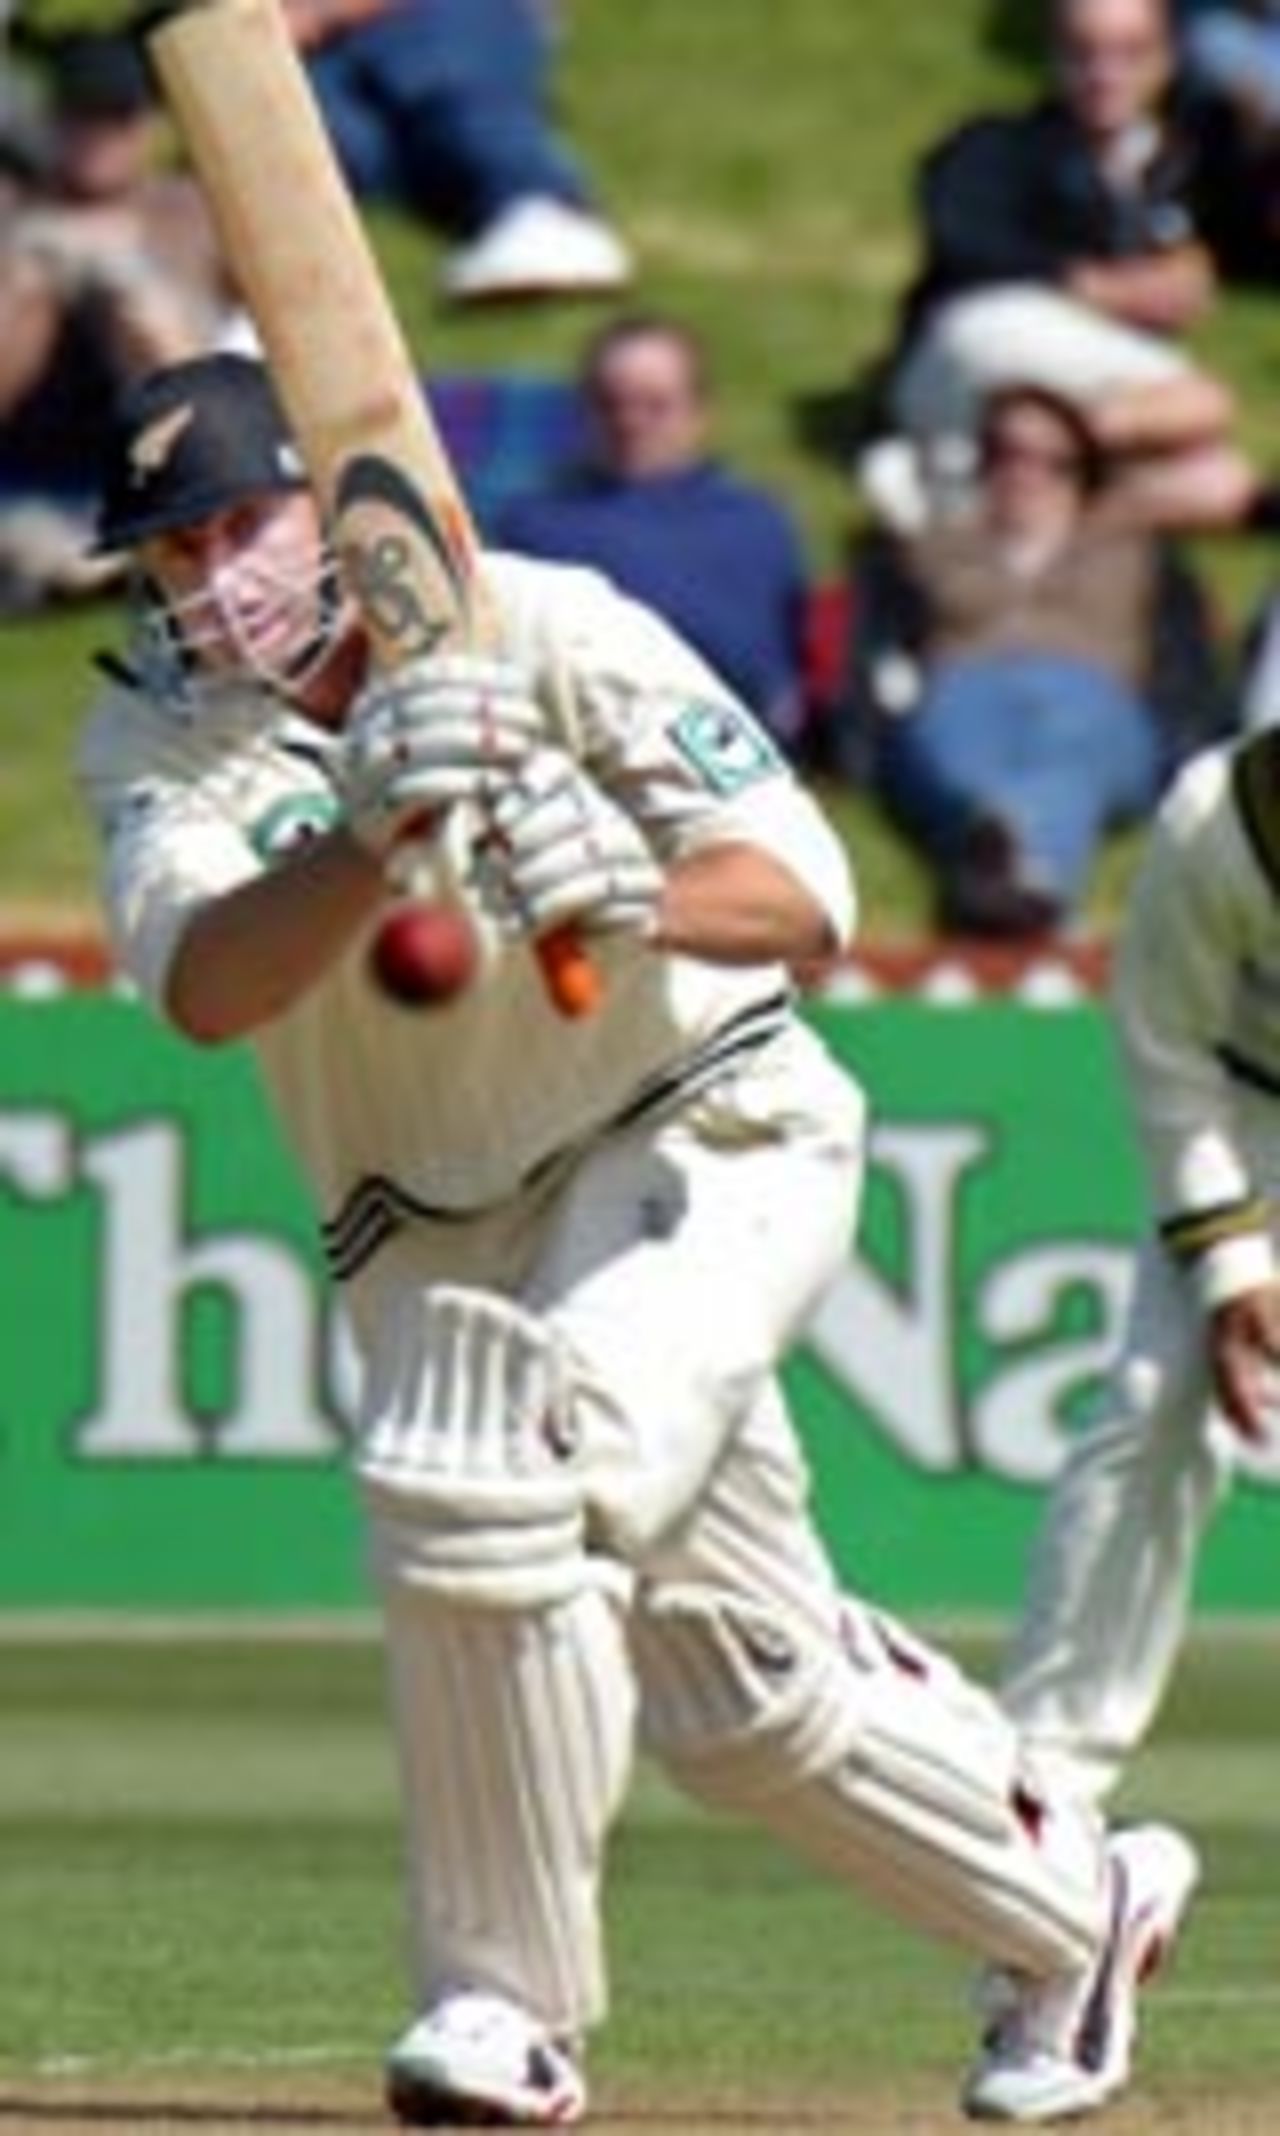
(109, 265)
(651, 506)
(442, 106)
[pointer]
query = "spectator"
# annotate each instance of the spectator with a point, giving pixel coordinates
(441, 105)
(1012, 660)
(1062, 245)
(108, 265)
(1230, 54)
(651, 507)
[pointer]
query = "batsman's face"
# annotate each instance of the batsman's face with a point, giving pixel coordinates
(253, 590)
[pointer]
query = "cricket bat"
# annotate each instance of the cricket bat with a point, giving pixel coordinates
(239, 94)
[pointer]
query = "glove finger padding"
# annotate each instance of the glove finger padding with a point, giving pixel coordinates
(553, 847)
(433, 732)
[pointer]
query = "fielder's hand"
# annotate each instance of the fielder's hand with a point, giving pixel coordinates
(428, 734)
(1244, 1360)
(552, 848)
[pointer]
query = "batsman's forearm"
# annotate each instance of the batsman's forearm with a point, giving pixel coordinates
(734, 904)
(248, 956)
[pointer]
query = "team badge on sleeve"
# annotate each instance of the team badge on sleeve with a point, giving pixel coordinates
(725, 747)
(291, 823)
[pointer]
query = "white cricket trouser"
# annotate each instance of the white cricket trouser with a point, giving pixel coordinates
(1112, 1571)
(676, 1264)
(1021, 334)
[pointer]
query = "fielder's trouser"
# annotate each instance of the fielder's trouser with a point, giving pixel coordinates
(1112, 1569)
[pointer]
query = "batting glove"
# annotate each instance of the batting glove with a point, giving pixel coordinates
(551, 847)
(425, 735)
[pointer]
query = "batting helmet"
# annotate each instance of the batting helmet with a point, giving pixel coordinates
(190, 440)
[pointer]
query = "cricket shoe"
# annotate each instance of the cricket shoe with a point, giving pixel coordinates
(477, 2061)
(1060, 2048)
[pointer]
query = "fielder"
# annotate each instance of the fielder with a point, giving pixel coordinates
(573, 1255)
(1197, 1006)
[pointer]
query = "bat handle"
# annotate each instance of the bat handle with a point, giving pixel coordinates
(572, 981)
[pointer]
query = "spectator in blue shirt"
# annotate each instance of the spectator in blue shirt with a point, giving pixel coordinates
(649, 505)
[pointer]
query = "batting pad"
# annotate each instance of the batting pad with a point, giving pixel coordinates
(468, 1459)
(855, 1755)
(514, 1734)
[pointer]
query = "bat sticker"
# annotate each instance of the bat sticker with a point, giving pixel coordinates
(384, 522)
(291, 823)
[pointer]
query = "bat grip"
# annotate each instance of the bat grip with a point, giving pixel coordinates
(572, 981)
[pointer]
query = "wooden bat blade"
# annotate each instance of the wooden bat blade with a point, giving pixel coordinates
(239, 94)
(233, 80)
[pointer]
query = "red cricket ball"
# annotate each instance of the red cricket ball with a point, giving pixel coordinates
(424, 955)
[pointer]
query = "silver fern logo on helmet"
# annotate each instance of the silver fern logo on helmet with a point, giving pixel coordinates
(153, 448)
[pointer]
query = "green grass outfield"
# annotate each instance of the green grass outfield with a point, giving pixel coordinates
(200, 1926)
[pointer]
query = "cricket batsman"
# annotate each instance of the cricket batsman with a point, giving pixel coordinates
(573, 1253)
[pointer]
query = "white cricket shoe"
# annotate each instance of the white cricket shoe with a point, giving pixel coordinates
(538, 247)
(1061, 2048)
(477, 2061)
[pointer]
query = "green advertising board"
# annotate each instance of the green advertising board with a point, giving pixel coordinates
(174, 1375)
(970, 1333)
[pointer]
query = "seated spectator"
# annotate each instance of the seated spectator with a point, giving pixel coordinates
(650, 506)
(108, 265)
(1062, 246)
(1230, 55)
(1030, 673)
(442, 106)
